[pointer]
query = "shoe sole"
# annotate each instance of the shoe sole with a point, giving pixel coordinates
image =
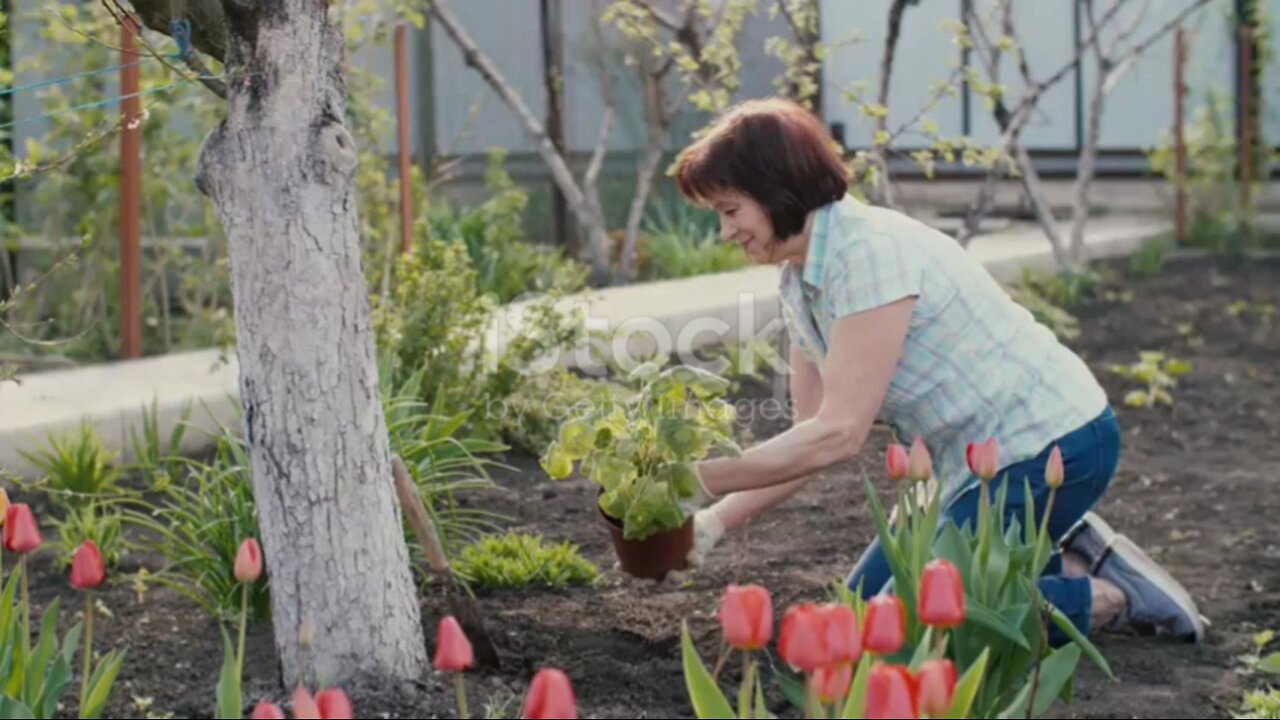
(1141, 563)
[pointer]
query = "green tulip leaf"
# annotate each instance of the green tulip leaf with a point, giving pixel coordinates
(1055, 672)
(708, 701)
(967, 688)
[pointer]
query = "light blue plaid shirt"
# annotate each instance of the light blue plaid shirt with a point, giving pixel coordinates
(975, 363)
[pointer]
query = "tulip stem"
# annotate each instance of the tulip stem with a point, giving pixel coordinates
(725, 652)
(26, 608)
(460, 689)
(244, 620)
(744, 690)
(88, 650)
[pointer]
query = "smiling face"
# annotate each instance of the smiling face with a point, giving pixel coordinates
(744, 221)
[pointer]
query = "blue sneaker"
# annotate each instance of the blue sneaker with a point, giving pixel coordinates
(1157, 604)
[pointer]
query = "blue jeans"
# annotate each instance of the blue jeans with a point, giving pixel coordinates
(1089, 455)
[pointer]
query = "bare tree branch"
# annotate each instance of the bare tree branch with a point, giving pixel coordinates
(589, 217)
(209, 29)
(884, 184)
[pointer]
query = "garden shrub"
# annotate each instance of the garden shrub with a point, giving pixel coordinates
(516, 560)
(684, 242)
(1261, 704)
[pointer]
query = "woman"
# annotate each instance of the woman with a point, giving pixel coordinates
(891, 320)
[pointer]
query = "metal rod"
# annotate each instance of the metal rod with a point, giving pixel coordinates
(130, 199)
(1179, 134)
(402, 122)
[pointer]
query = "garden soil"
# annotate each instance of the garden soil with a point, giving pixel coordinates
(1198, 487)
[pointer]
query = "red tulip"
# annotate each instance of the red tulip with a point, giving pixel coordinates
(984, 458)
(746, 616)
(333, 704)
(453, 649)
(550, 696)
(304, 706)
(267, 711)
(249, 561)
(890, 693)
(941, 596)
(87, 571)
(935, 687)
(895, 462)
(831, 682)
(802, 642)
(842, 634)
(21, 534)
(920, 464)
(1054, 473)
(886, 624)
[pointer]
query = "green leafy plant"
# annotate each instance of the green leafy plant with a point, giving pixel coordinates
(155, 457)
(100, 521)
(530, 417)
(515, 560)
(748, 359)
(1158, 372)
(1149, 259)
(507, 265)
(1261, 704)
(34, 679)
(680, 241)
(443, 462)
(77, 468)
(639, 451)
(197, 525)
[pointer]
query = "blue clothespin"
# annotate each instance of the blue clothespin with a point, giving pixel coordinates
(181, 32)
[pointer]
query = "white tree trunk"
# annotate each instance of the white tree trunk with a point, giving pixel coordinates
(280, 171)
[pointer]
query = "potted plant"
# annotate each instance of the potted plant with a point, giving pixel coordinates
(639, 451)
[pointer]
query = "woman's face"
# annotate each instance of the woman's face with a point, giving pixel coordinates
(744, 221)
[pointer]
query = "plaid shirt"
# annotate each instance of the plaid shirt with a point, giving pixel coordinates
(975, 364)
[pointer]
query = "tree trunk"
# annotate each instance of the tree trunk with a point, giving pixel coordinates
(1085, 171)
(1035, 194)
(884, 182)
(659, 136)
(280, 171)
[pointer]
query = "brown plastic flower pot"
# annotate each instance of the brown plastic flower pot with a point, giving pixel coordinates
(655, 556)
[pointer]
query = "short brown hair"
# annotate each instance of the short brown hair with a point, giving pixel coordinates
(774, 151)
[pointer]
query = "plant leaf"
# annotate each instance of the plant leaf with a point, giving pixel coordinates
(980, 616)
(229, 701)
(1086, 645)
(704, 694)
(1270, 664)
(1055, 672)
(855, 706)
(967, 689)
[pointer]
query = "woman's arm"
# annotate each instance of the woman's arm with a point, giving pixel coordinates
(861, 358)
(806, 394)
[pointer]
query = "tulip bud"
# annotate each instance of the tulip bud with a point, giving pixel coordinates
(984, 458)
(802, 641)
(920, 464)
(333, 704)
(895, 462)
(1054, 474)
(830, 683)
(935, 687)
(843, 637)
(886, 624)
(746, 616)
(890, 693)
(21, 534)
(249, 561)
(87, 571)
(941, 603)
(453, 649)
(304, 706)
(267, 711)
(550, 696)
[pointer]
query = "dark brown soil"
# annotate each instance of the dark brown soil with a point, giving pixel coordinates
(1197, 487)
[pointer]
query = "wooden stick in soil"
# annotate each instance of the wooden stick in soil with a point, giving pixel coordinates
(460, 605)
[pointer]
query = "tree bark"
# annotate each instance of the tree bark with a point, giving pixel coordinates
(280, 172)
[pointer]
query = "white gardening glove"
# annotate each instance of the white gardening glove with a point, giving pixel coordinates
(707, 531)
